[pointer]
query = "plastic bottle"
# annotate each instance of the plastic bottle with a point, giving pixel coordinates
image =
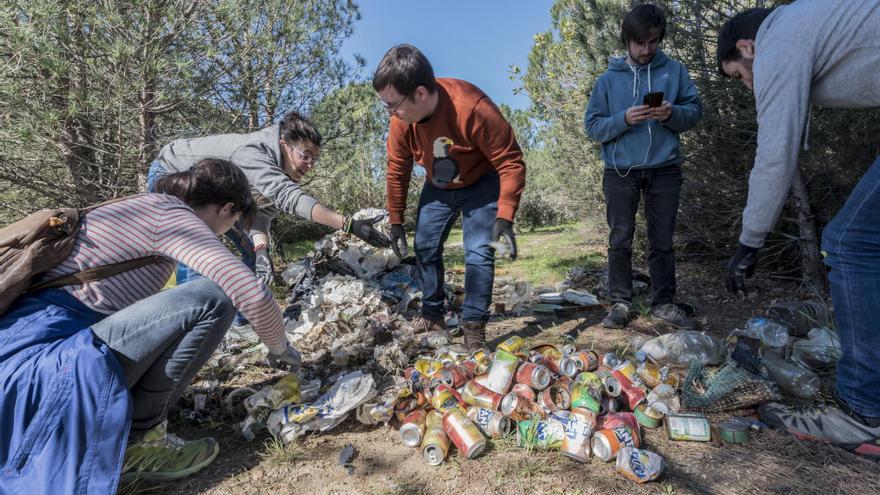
(792, 378)
(680, 348)
(801, 316)
(769, 332)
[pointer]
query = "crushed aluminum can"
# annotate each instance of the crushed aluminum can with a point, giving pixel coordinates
(474, 394)
(569, 366)
(444, 400)
(534, 375)
(639, 465)
(555, 398)
(463, 433)
(587, 392)
(518, 407)
(513, 344)
(609, 405)
(612, 386)
(456, 376)
(492, 423)
(413, 428)
(589, 360)
(501, 372)
(606, 443)
(525, 391)
(543, 434)
(578, 430)
(634, 394)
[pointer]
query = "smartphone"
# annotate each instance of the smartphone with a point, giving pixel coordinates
(654, 99)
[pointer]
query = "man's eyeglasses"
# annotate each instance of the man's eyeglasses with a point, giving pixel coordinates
(305, 156)
(393, 108)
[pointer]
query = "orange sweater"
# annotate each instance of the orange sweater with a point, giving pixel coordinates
(481, 139)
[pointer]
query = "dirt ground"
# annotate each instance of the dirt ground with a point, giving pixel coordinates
(770, 463)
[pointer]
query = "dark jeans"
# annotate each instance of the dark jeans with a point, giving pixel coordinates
(438, 210)
(852, 245)
(660, 188)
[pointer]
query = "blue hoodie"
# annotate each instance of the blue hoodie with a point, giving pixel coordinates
(649, 144)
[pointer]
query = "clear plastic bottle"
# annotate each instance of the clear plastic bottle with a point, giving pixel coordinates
(792, 378)
(680, 348)
(769, 332)
(801, 316)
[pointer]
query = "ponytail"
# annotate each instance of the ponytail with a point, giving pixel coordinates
(211, 182)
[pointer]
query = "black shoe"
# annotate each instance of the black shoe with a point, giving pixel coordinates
(824, 424)
(618, 317)
(674, 315)
(474, 335)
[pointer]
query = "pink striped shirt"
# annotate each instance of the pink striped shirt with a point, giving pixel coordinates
(158, 224)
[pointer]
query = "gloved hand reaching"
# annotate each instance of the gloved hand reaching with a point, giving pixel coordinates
(264, 268)
(740, 267)
(398, 241)
(505, 228)
(366, 230)
(288, 356)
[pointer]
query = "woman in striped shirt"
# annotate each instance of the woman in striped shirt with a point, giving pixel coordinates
(160, 339)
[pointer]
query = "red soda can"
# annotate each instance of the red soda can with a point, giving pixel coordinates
(534, 375)
(463, 433)
(413, 428)
(555, 398)
(456, 375)
(404, 407)
(613, 420)
(565, 382)
(612, 386)
(633, 393)
(525, 391)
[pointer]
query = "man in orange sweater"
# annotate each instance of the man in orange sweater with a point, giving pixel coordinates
(474, 168)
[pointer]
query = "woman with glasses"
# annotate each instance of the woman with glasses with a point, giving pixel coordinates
(274, 159)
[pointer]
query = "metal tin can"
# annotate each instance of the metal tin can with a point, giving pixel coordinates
(555, 398)
(639, 465)
(492, 423)
(435, 445)
(649, 373)
(519, 408)
(544, 434)
(413, 428)
(524, 390)
(648, 416)
(513, 344)
(482, 361)
(610, 360)
(569, 366)
(578, 430)
(589, 360)
(627, 368)
(587, 391)
(606, 443)
(612, 386)
(463, 433)
(633, 393)
(534, 375)
(691, 427)
(501, 372)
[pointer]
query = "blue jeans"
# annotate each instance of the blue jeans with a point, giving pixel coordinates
(162, 342)
(237, 237)
(660, 187)
(852, 245)
(438, 210)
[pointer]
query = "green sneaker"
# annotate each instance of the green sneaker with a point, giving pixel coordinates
(161, 456)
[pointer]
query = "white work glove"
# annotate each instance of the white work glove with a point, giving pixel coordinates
(288, 356)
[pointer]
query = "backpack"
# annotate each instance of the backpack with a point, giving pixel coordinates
(40, 241)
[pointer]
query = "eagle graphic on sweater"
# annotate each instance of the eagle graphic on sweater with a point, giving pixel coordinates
(445, 169)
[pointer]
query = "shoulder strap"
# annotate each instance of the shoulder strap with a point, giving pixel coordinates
(101, 272)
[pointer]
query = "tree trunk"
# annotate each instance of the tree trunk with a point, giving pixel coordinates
(812, 267)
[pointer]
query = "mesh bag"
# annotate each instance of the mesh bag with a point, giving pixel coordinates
(731, 387)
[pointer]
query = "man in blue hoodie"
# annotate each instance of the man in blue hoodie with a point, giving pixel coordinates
(642, 155)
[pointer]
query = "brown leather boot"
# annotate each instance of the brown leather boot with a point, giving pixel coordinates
(474, 335)
(425, 325)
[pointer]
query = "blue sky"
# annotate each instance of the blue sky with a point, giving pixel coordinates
(475, 40)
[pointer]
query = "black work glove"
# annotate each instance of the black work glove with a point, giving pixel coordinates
(263, 266)
(398, 241)
(365, 230)
(505, 228)
(289, 356)
(740, 267)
